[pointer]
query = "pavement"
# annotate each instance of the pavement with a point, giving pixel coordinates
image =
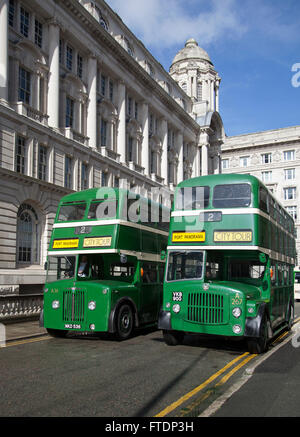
(18, 330)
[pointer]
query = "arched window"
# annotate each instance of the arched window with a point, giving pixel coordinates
(28, 238)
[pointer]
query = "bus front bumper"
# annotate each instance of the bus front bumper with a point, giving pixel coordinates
(164, 320)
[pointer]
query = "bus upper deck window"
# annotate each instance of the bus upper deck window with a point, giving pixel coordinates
(192, 198)
(103, 209)
(71, 211)
(232, 195)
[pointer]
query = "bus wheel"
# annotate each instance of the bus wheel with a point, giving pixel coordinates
(58, 333)
(124, 322)
(258, 345)
(290, 318)
(172, 338)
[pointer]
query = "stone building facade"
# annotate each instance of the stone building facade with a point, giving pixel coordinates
(274, 157)
(84, 104)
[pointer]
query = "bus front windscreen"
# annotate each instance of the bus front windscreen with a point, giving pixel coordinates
(187, 264)
(60, 267)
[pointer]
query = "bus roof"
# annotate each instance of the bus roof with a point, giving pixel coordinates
(90, 194)
(219, 179)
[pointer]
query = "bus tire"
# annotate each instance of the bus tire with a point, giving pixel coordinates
(290, 317)
(258, 345)
(173, 338)
(124, 322)
(57, 333)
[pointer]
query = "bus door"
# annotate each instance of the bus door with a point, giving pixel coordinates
(151, 291)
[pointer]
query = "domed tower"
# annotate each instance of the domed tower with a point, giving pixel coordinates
(194, 71)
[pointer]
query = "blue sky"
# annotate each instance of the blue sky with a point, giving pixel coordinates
(253, 45)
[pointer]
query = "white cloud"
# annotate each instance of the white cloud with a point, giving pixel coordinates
(165, 23)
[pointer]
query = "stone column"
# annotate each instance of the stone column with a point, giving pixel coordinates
(204, 159)
(53, 82)
(145, 141)
(217, 95)
(212, 95)
(180, 157)
(164, 156)
(92, 103)
(4, 50)
(121, 138)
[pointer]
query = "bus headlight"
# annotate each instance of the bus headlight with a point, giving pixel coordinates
(237, 329)
(92, 305)
(236, 312)
(55, 304)
(176, 308)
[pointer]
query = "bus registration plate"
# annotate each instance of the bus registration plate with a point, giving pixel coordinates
(72, 326)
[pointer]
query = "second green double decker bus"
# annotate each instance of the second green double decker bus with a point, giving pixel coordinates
(230, 260)
(104, 269)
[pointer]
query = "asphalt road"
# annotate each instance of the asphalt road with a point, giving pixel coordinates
(92, 377)
(143, 377)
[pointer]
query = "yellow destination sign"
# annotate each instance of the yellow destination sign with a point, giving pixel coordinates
(66, 243)
(183, 237)
(232, 236)
(97, 242)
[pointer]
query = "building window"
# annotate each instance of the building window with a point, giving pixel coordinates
(153, 161)
(199, 91)
(68, 172)
(11, 13)
(42, 163)
(289, 155)
(111, 90)
(24, 22)
(292, 210)
(289, 174)
(38, 33)
(27, 235)
(266, 176)
(24, 85)
(79, 66)
(225, 164)
(171, 139)
(84, 176)
(103, 132)
(61, 51)
(266, 158)
(103, 179)
(20, 155)
(130, 150)
(244, 161)
(101, 19)
(289, 193)
(69, 58)
(129, 106)
(69, 112)
(103, 85)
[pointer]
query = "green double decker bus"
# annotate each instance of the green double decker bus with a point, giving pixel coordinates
(104, 269)
(230, 259)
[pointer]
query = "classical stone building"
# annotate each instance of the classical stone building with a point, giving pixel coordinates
(274, 157)
(84, 104)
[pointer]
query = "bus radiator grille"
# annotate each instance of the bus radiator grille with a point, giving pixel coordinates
(206, 308)
(73, 306)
